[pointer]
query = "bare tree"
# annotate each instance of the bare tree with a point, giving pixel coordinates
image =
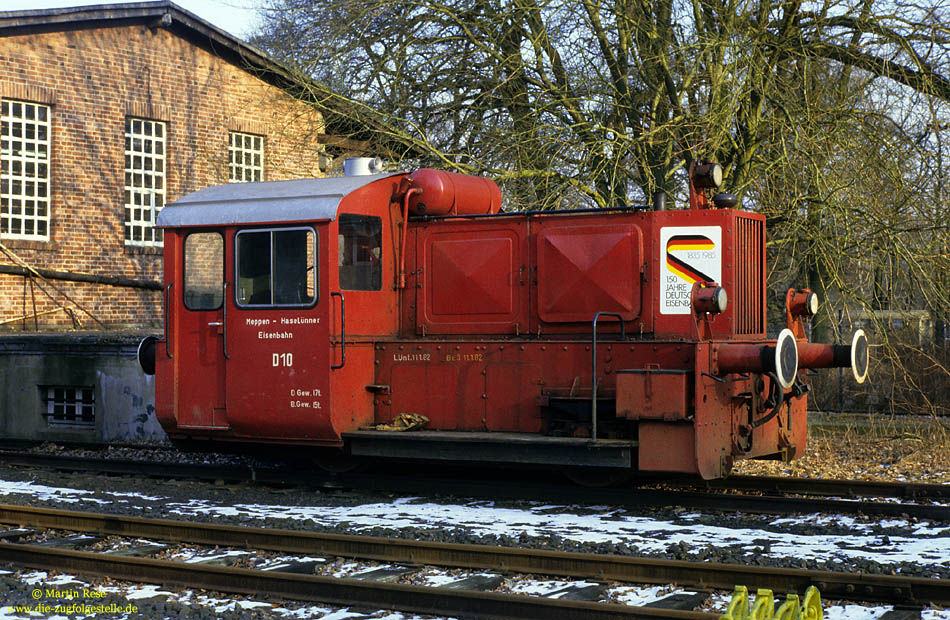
(600, 100)
(829, 117)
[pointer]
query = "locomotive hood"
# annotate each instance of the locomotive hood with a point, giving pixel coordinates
(268, 201)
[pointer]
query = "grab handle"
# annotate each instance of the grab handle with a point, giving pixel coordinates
(342, 331)
(224, 322)
(593, 365)
(165, 312)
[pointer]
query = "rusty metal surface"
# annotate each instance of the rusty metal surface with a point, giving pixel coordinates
(750, 277)
(494, 447)
(863, 587)
(466, 292)
(654, 393)
(583, 270)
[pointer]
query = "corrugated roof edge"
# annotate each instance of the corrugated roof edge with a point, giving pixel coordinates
(265, 202)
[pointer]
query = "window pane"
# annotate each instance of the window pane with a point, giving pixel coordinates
(360, 247)
(253, 273)
(70, 405)
(204, 271)
(144, 175)
(245, 155)
(293, 267)
(276, 267)
(25, 159)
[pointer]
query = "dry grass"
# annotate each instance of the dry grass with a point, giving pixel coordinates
(868, 449)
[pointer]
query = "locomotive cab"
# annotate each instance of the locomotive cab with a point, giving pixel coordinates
(255, 309)
(315, 313)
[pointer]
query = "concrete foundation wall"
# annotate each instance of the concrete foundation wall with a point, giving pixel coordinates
(33, 367)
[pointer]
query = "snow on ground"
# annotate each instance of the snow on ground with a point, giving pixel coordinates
(930, 542)
(819, 537)
(856, 612)
(45, 493)
(282, 561)
(630, 595)
(547, 587)
(720, 603)
(927, 543)
(144, 592)
(220, 604)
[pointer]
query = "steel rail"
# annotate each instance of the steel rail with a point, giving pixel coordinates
(159, 469)
(628, 497)
(329, 590)
(776, 484)
(845, 586)
(784, 505)
(821, 486)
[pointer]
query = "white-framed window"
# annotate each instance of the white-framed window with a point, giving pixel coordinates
(24, 170)
(144, 180)
(276, 267)
(246, 155)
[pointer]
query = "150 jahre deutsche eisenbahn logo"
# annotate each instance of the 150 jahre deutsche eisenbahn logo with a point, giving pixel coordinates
(690, 254)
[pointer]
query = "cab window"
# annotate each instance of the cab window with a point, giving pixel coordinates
(360, 248)
(204, 271)
(276, 267)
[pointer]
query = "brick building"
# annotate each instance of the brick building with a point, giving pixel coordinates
(108, 113)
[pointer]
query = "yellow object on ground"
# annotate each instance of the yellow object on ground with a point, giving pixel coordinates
(763, 607)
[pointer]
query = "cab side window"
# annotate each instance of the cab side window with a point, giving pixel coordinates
(276, 267)
(204, 271)
(361, 251)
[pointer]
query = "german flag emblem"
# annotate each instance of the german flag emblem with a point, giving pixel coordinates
(687, 243)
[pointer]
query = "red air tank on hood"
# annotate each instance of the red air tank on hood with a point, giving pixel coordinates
(449, 193)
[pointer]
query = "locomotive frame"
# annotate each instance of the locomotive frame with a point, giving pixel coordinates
(305, 313)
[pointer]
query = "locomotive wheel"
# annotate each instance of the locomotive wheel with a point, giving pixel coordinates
(338, 462)
(599, 477)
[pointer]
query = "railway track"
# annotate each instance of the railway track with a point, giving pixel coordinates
(602, 568)
(757, 495)
(825, 487)
(343, 592)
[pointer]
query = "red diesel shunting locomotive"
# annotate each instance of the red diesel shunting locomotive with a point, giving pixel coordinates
(306, 312)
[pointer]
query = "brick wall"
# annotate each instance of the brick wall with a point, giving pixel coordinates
(93, 79)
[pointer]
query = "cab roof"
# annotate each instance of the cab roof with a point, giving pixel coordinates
(264, 202)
